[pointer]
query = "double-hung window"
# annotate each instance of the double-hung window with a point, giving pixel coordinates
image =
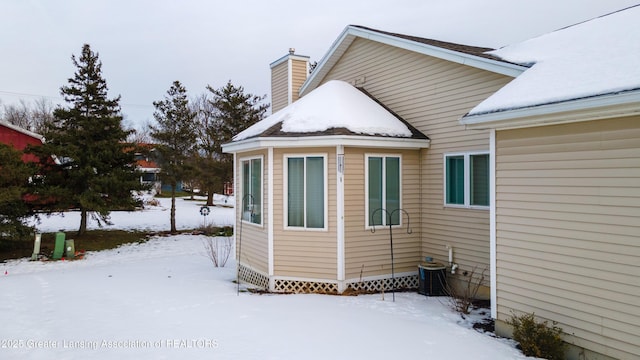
(306, 191)
(466, 180)
(383, 189)
(252, 190)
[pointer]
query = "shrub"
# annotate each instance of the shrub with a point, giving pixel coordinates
(537, 339)
(461, 297)
(211, 230)
(219, 249)
(151, 202)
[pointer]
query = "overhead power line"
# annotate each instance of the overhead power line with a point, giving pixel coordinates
(58, 98)
(11, 93)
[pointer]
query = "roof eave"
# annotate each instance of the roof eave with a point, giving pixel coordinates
(23, 131)
(585, 109)
(323, 141)
(336, 50)
(350, 33)
(287, 57)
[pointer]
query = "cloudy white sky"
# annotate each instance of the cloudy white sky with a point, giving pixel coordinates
(147, 44)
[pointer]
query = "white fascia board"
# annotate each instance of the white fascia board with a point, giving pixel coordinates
(593, 108)
(495, 66)
(350, 32)
(315, 76)
(322, 141)
(289, 57)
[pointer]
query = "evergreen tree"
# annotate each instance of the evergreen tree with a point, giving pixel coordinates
(95, 171)
(14, 176)
(175, 138)
(232, 111)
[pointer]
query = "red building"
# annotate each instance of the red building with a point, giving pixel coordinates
(19, 138)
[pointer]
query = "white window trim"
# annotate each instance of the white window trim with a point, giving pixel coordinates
(384, 195)
(285, 192)
(241, 186)
(467, 180)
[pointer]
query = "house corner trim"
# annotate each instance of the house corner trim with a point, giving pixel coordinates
(270, 210)
(492, 223)
(340, 164)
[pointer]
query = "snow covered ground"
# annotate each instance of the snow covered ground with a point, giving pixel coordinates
(153, 218)
(163, 299)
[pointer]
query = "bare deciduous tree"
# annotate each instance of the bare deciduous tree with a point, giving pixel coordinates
(41, 114)
(32, 117)
(208, 159)
(142, 133)
(18, 114)
(222, 113)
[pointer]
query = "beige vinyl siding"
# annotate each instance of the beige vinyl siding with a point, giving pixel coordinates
(253, 238)
(568, 230)
(304, 253)
(279, 86)
(370, 253)
(298, 77)
(431, 94)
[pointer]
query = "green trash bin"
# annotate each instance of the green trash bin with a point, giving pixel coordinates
(69, 249)
(58, 248)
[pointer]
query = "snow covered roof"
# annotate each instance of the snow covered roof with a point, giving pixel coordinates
(482, 52)
(590, 59)
(21, 130)
(462, 54)
(335, 108)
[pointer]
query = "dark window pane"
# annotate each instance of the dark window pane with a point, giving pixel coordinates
(392, 188)
(480, 179)
(295, 195)
(455, 180)
(315, 192)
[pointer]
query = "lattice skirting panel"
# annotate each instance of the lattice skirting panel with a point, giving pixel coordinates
(297, 286)
(402, 283)
(251, 276)
(248, 275)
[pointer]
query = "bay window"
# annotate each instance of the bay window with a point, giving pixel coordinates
(252, 190)
(305, 191)
(383, 189)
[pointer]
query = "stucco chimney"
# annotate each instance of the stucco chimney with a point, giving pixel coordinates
(287, 76)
